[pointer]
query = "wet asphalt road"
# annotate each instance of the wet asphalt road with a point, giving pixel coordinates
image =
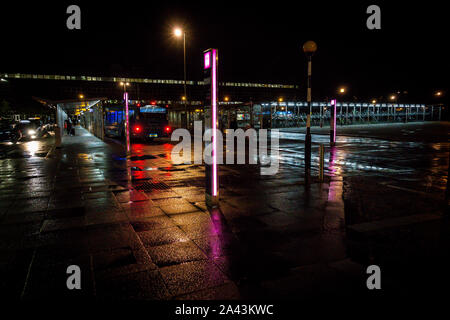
(425, 163)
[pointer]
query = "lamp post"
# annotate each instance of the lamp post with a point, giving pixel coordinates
(342, 91)
(396, 97)
(398, 103)
(375, 116)
(392, 98)
(309, 47)
(178, 33)
(439, 94)
(127, 120)
(279, 107)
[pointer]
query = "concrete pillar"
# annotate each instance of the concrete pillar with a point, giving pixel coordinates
(57, 136)
(354, 114)
(346, 115)
(102, 122)
(360, 112)
(251, 115)
(286, 117)
(271, 125)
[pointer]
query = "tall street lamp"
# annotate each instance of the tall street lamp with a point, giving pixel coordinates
(438, 95)
(309, 47)
(127, 120)
(178, 33)
(396, 97)
(343, 91)
(279, 107)
(393, 98)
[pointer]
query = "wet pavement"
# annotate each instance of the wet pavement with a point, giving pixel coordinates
(139, 228)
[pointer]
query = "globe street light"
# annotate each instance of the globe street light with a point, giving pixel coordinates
(178, 33)
(124, 85)
(309, 47)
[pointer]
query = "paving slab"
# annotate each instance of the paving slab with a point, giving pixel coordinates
(192, 276)
(272, 236)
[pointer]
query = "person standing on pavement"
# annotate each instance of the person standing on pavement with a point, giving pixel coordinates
(69, 127)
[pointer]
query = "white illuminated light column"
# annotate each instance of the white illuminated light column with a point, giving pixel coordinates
(333, 123)
(210, 57)
(127, 123)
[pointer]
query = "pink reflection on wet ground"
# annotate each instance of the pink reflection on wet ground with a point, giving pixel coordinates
(331, 165)
(216, 229)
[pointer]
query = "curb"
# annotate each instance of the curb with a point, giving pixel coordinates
(51, 152)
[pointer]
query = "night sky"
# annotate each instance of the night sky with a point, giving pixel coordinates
(257, 41)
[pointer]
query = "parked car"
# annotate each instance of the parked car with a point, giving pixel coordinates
(9, 132)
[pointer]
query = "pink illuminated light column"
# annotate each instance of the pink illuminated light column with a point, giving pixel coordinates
(214, 121)
(127, 123)
(210, 57)
(333, 123)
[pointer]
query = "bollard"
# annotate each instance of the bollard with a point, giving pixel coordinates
(321, 162)
(57, 130)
